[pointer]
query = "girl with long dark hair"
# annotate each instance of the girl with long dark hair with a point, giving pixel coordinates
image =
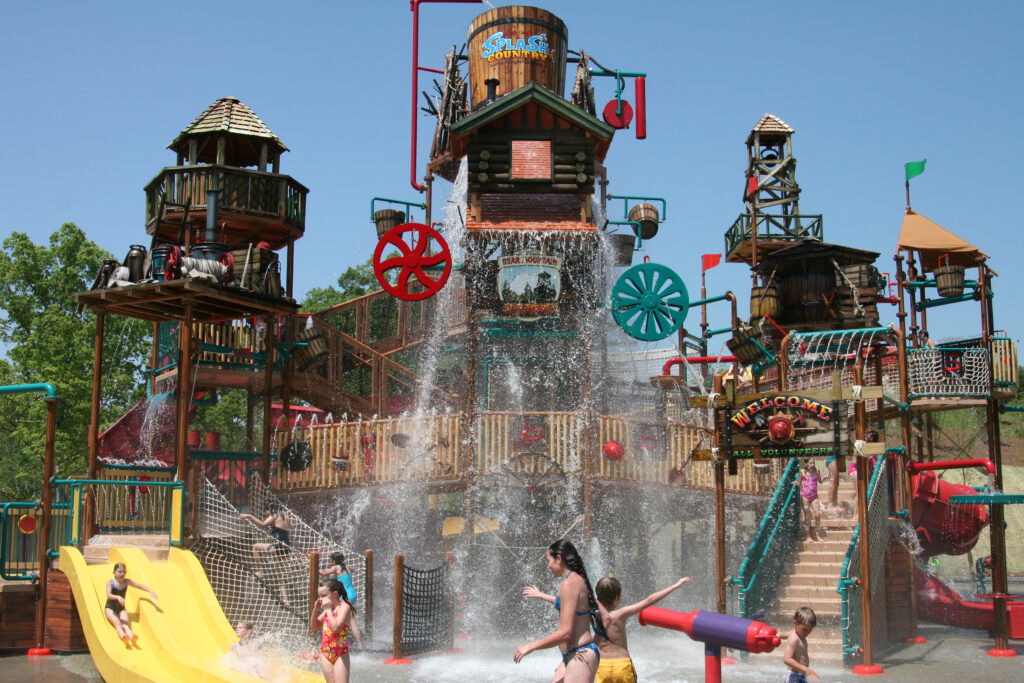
(577, 610)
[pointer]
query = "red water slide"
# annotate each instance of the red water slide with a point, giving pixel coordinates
(145, 432)
(939, 603)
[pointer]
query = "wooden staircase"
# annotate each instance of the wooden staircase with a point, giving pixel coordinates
(812, 582)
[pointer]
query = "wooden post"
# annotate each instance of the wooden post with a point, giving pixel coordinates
(904, 483)
(184, 388)
(862, 520)
(368, 594)
(270, 342)
(396, 632)
(469, 425)
(719, 473)
(587, 447)
(47, 522)
(314, 585)
(449, 560)
(89, 510)
(997, 539)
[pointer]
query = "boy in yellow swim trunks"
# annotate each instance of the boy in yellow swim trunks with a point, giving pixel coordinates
(616, 665)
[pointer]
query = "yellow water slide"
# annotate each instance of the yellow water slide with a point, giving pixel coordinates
(183, 635)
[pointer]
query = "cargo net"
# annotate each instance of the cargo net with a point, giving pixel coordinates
(813, 357)
(306, 539)
(942, 372)
(255, 577)
(427, 607)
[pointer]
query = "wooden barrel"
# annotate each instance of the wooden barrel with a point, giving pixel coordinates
(314, 353)
(765, 301)
(387, 219)
(743, 347)
(647, 216)
(949, 280)
(804, 296)
(516, 45)
(622, 249)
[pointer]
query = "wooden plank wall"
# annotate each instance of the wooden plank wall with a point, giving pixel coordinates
(17, 616)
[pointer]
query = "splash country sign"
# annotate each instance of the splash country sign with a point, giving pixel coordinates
(497, 46)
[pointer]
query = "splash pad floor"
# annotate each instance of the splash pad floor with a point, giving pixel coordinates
(949, 655)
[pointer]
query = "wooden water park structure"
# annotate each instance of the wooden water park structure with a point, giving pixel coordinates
(516, 378)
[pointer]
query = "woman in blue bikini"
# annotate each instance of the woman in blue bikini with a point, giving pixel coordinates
(576, 612)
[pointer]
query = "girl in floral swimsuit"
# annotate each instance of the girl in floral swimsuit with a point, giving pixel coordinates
(335, 617)
(808, 483)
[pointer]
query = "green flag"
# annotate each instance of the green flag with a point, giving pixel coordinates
(915, 168)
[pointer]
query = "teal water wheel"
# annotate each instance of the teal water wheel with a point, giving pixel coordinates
(650, 301)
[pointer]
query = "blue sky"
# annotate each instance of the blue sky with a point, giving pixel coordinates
(93, 93)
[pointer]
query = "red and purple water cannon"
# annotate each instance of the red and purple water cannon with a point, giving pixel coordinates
(715, 631)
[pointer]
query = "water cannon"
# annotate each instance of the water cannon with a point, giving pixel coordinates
(715, 631)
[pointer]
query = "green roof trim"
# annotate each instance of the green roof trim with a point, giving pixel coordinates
(533, 91)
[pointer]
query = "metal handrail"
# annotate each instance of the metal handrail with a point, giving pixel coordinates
(762, 548)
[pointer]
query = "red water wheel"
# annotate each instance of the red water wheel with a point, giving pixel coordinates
(423, 259)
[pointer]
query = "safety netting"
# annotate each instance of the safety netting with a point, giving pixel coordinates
(306, 539)
(878, 540)
(814, 357)
(946, 371)
(256, 577)
(427, 609)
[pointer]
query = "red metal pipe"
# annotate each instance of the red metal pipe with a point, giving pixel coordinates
(414, 5)
(641, 107)
(915, 467)
(678, 360)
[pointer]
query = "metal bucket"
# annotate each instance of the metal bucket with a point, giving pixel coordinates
(622, 249)
(211, 251)
(158, 259)
(135, 261)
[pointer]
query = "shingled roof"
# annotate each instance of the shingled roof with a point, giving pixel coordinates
(770, 124)
(229, 116)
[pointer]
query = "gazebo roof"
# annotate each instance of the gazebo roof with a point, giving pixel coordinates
(244, 130)
(771, 125)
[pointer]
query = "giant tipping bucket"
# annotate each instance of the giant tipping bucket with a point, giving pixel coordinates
(943, 528)
(516, 45)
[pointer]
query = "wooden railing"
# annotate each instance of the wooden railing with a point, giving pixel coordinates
(531, 448)
(246, 191)
(375, 451)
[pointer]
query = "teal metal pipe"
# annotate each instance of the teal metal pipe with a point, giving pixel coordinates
(721, 330)
(51, 391)
(395, 201)
(932, 303)
(709, 300)
(636, 230)
(625, 204)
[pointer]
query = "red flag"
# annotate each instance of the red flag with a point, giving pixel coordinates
(709, 261)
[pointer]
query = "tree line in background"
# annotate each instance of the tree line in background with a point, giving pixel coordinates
(44, 338)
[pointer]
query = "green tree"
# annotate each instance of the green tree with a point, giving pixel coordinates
(354, 282)
(46, 340)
